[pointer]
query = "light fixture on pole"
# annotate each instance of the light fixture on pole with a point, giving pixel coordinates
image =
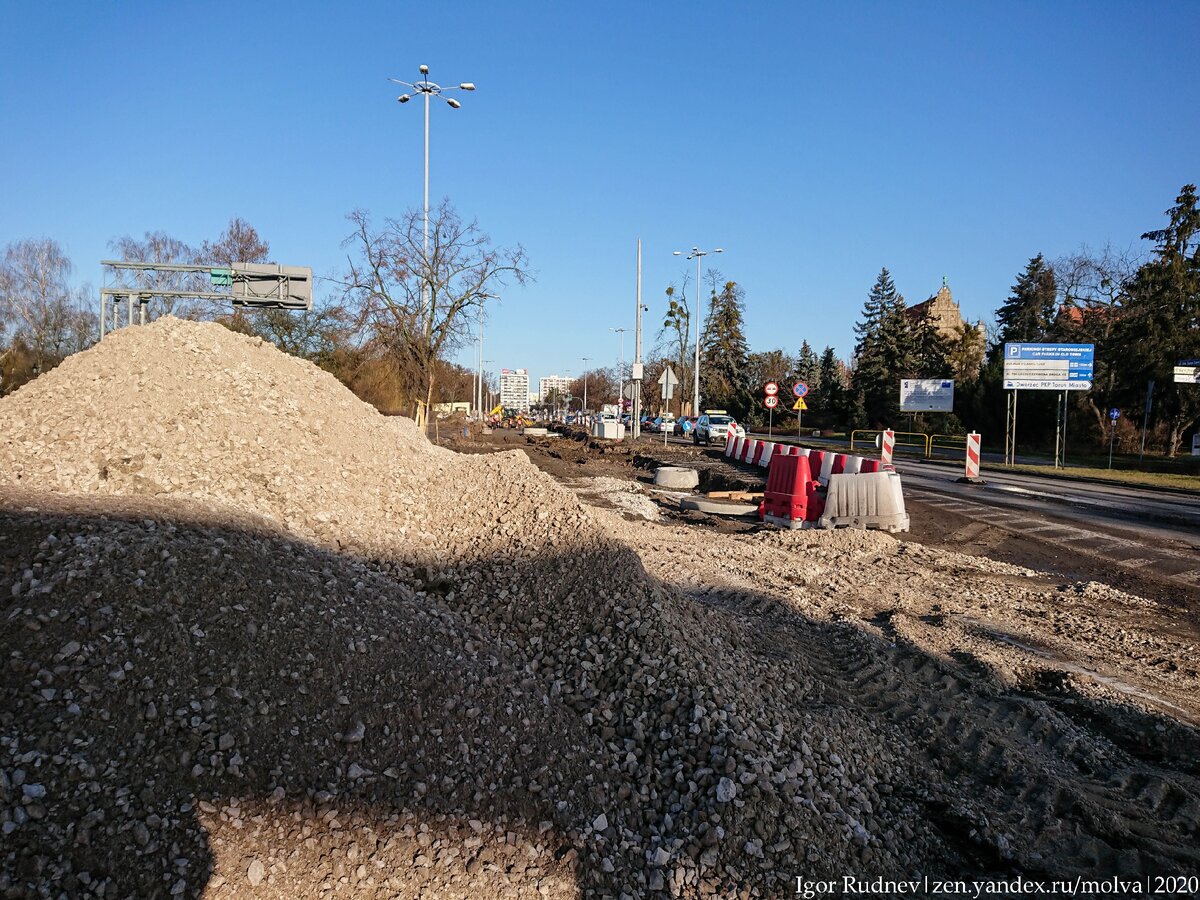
(486, 388)
(429, 90)
(696, 254)
(620, 373)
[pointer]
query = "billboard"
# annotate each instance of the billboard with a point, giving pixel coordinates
(1048, 367)
(926, 395)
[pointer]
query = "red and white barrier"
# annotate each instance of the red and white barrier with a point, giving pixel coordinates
(824, 463)
(973, 456)
(887, 446)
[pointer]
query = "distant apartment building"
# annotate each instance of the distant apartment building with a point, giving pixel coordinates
(559, 383)
(514, 389)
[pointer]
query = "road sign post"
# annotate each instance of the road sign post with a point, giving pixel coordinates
(771, 401)
(1044, 367)
(667, 381)
(1113, 415)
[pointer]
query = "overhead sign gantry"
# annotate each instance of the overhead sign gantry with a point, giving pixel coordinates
(251, 285)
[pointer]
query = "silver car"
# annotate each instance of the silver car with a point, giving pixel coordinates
(712, 426)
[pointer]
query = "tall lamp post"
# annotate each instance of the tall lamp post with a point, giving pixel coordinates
(429, 90)
(484, 389)
(586, 360)
(696, 254)
(620, 374)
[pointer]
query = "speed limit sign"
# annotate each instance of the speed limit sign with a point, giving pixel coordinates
(770, 389)
(771, 402)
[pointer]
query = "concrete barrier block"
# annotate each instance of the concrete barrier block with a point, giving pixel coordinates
(866, 500)
(676, 477)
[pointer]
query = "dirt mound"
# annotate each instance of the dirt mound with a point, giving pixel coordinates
(184, 699)
(692, 780)
(262, 637)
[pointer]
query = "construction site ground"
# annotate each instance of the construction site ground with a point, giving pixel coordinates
(1128, 673)
(261, 641)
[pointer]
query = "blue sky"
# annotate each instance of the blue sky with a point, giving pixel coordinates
(815, 143)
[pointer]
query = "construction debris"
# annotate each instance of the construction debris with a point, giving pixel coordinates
(261, 640)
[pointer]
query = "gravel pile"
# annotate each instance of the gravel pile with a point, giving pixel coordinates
(260, 640)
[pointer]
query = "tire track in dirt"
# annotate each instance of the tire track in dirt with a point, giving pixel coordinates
(1010, 778)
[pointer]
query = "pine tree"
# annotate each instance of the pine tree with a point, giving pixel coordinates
(1029, 313)
(808, 367)
(1161, 320)
(723, 353)
(885, 353)
(828, 399)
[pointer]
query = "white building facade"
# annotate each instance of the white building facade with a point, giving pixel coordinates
(514, 389)
(548, 383)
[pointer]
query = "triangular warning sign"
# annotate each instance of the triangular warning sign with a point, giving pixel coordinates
(800, 404)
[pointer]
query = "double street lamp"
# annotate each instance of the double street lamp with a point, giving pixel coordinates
(620, 373)
(696, 254)
(429, 90)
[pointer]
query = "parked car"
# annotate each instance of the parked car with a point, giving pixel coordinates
(663, 423)
(684, 426)
(714, 424)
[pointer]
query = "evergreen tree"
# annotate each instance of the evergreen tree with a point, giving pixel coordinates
(827, 400)
(886, 352)
(1026, 316)
(930, 356)
(723, 353)
(808, 367)
(1029, 313)
(1161, 320)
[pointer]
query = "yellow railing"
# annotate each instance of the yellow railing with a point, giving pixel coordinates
(903, 439)
(957, 442)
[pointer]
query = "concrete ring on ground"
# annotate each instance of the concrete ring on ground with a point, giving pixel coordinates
(535, 432)
(676, 477)
(718, 507)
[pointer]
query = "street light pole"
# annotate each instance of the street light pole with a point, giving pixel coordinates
(620, 374)
(586, 360)
(696, 254)
(429, 89)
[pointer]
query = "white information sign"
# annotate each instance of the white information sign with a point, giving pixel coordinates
(1187, 374)
(927, 395)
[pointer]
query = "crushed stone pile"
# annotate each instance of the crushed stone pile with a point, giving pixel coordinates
(261, 640)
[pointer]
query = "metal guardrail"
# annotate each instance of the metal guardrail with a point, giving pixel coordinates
(923, 440)
(956, 442)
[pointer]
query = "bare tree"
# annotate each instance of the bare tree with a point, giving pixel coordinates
(36, 301)
(676, 328)
(1094, 288)
(417, 307)
(160, 247)
(238, 243)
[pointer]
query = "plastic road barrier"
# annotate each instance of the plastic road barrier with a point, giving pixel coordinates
(887, 447)
(791, 498)
(873, 500)
(972, 456)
